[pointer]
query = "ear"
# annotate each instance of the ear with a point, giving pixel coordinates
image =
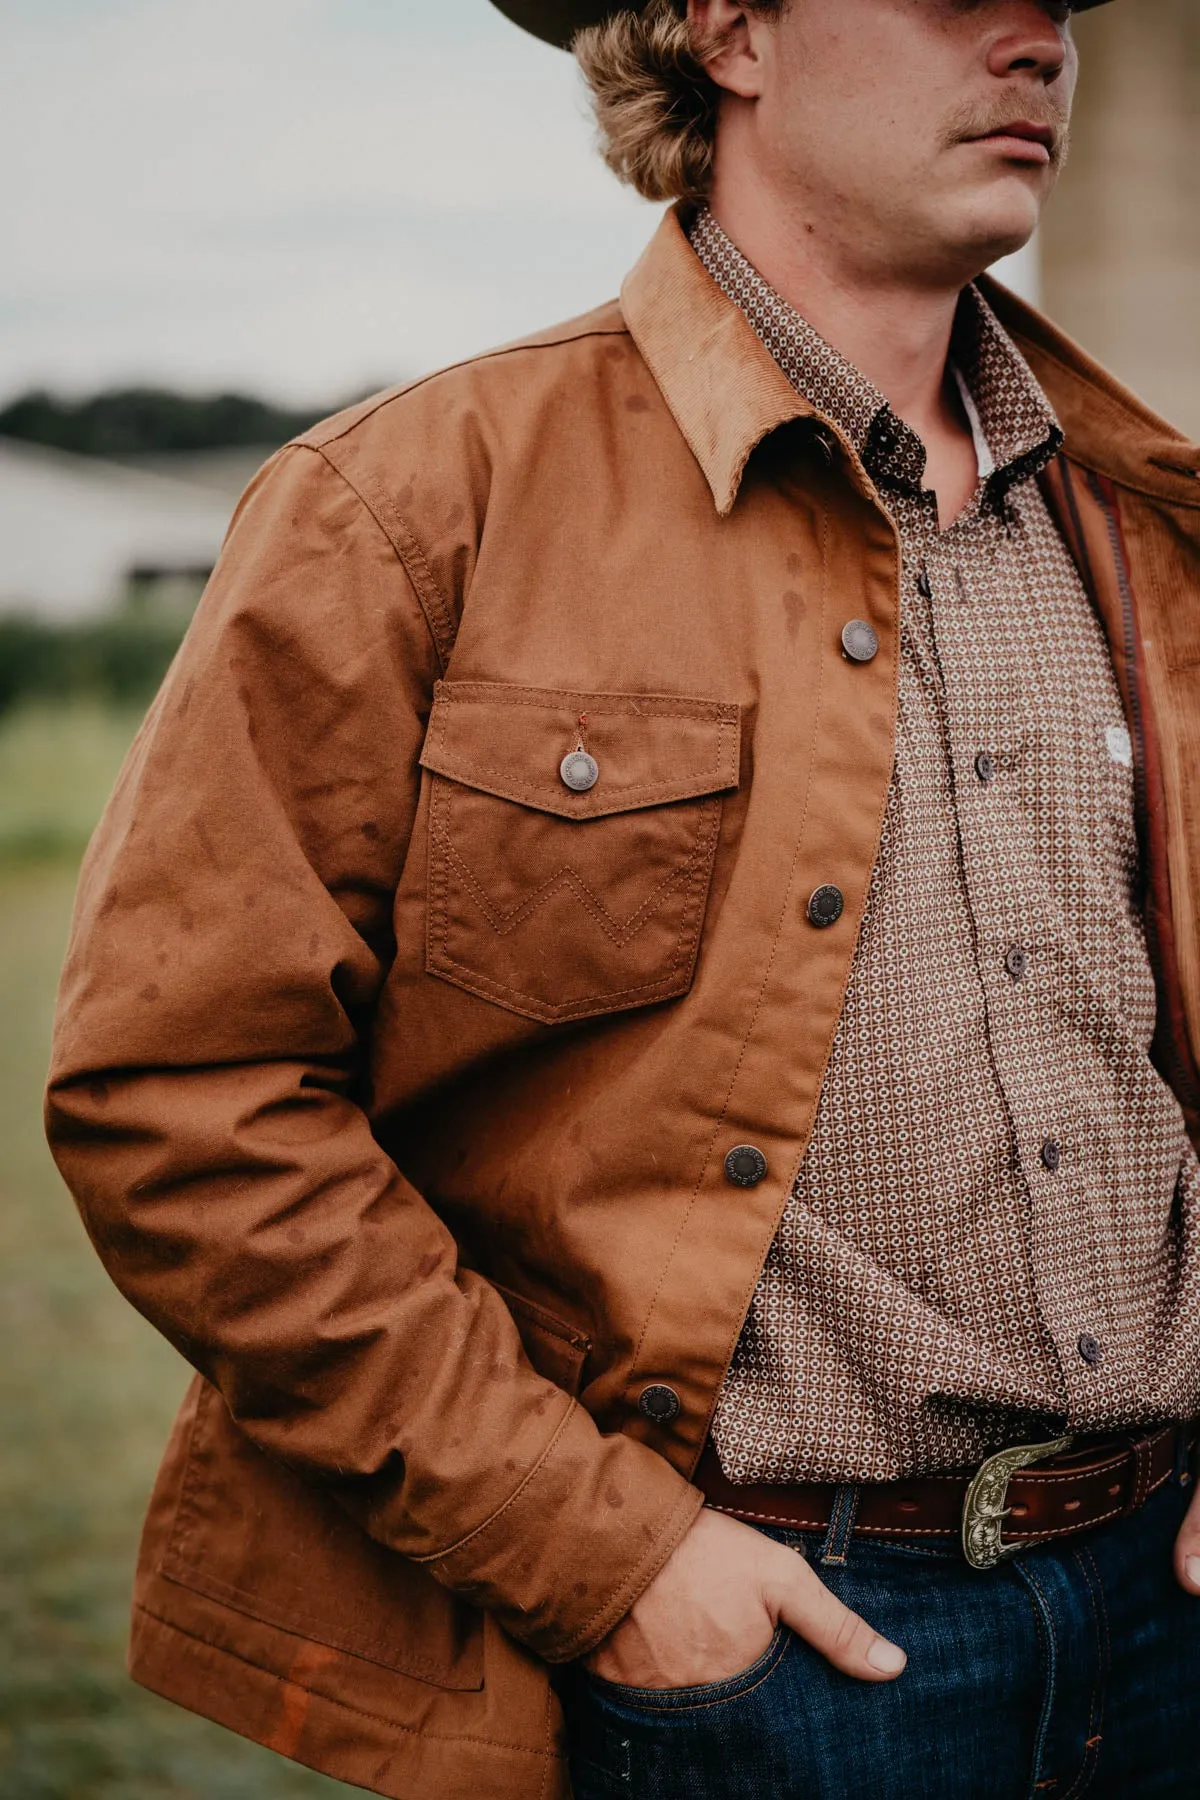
(729, 39)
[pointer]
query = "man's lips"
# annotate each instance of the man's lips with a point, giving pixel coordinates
(1021, 141)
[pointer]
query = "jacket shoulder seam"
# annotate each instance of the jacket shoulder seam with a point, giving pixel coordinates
(439, 620)
(317, 438)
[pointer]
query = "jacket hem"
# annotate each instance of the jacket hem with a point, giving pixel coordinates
(331, 1736)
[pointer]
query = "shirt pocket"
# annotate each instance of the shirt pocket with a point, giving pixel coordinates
(559, 904)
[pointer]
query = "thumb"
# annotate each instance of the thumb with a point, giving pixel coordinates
(1187, 1550)
(806, 1605)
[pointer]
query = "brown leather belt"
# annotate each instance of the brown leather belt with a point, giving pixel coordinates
(1009, 1504)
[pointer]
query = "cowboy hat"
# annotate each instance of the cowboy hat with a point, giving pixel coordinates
(557, 21)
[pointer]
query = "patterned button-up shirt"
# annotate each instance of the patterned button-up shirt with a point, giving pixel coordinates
(993, 1152)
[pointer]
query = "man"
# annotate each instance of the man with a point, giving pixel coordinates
(647, 955)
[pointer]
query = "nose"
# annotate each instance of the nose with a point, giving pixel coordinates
(1029, 43)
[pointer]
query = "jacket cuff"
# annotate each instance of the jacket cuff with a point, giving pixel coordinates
(563, 1560)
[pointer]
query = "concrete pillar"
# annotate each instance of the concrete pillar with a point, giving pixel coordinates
(1121, 240)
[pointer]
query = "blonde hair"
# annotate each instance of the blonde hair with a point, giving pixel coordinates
(655, 103)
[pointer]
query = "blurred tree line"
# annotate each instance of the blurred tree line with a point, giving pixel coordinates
(120, 659)
(145, 421)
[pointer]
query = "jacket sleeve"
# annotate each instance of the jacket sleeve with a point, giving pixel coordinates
(232, 933)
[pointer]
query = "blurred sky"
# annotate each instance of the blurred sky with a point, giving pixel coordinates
(305, 198)
(301, 197)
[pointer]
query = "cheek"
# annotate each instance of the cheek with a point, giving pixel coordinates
(835, 141)
(1069, 78)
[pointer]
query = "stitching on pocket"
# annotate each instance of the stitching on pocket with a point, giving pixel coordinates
(184, 1567)
(651, 706)
(721, 773)
(372, 1650)
(695, 874)
(1087, 1767)
(567, 875)
(541, 1316)
(708, 1694)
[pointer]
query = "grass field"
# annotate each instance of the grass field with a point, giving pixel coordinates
(87, 1390)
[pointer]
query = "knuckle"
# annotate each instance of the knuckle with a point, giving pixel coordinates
(849, 1634)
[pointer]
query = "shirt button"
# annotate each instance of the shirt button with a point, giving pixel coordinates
(659, 1403)
(985, 767)
(859, 642)
(1091, 1349)
(745, 1166)
(924, 586)
(579, 771)
(1051, 1155)
(826, 907)
(1017, 962)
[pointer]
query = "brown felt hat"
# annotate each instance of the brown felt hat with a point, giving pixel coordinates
(557, 21)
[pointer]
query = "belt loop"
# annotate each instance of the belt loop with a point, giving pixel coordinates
(1141, 1448)
(835, 1549)
(1182, 1451)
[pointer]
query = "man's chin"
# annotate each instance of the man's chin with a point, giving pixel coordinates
(988, 232)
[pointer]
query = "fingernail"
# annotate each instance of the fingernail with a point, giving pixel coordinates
(889, 1659)
(1191, 1569)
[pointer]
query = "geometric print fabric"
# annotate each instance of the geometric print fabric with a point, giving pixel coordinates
(994, 1231)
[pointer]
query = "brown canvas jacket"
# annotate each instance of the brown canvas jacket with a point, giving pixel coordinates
(395, 1079)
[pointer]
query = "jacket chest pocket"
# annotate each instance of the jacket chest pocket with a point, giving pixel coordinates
(563, 901)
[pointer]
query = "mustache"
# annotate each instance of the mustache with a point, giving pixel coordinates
(975, 120)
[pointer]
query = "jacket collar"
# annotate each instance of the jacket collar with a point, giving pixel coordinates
(724, 389)
(727, 393)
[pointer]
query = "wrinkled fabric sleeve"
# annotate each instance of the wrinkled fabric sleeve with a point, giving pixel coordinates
(231, 937)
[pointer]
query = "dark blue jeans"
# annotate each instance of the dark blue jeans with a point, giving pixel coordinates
(1068, 1671)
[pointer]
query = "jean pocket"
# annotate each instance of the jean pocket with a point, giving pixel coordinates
(695, 1699)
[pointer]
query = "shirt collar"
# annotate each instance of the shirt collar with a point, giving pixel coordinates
(1015, 430)
(727, 393)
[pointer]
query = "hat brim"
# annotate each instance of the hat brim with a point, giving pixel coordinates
(557, 21)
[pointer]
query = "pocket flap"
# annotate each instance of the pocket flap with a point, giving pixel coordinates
(556, 1350)
(649, 748)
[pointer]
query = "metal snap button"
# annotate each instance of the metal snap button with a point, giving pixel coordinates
(745, 1166)
(860, 644)
(659, 1403)
(826, 907)
(579, 771)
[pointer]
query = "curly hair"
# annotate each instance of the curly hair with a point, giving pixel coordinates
(655, 104)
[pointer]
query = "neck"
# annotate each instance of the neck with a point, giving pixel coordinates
(895, 330)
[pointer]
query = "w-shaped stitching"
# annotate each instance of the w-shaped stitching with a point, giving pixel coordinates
(502, 922)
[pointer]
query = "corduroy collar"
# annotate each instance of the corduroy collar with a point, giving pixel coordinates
(727, 393)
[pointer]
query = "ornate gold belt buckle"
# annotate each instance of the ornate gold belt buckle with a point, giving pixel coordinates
(984, 1509)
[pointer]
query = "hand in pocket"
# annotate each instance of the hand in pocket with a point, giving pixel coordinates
(714, 1607)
